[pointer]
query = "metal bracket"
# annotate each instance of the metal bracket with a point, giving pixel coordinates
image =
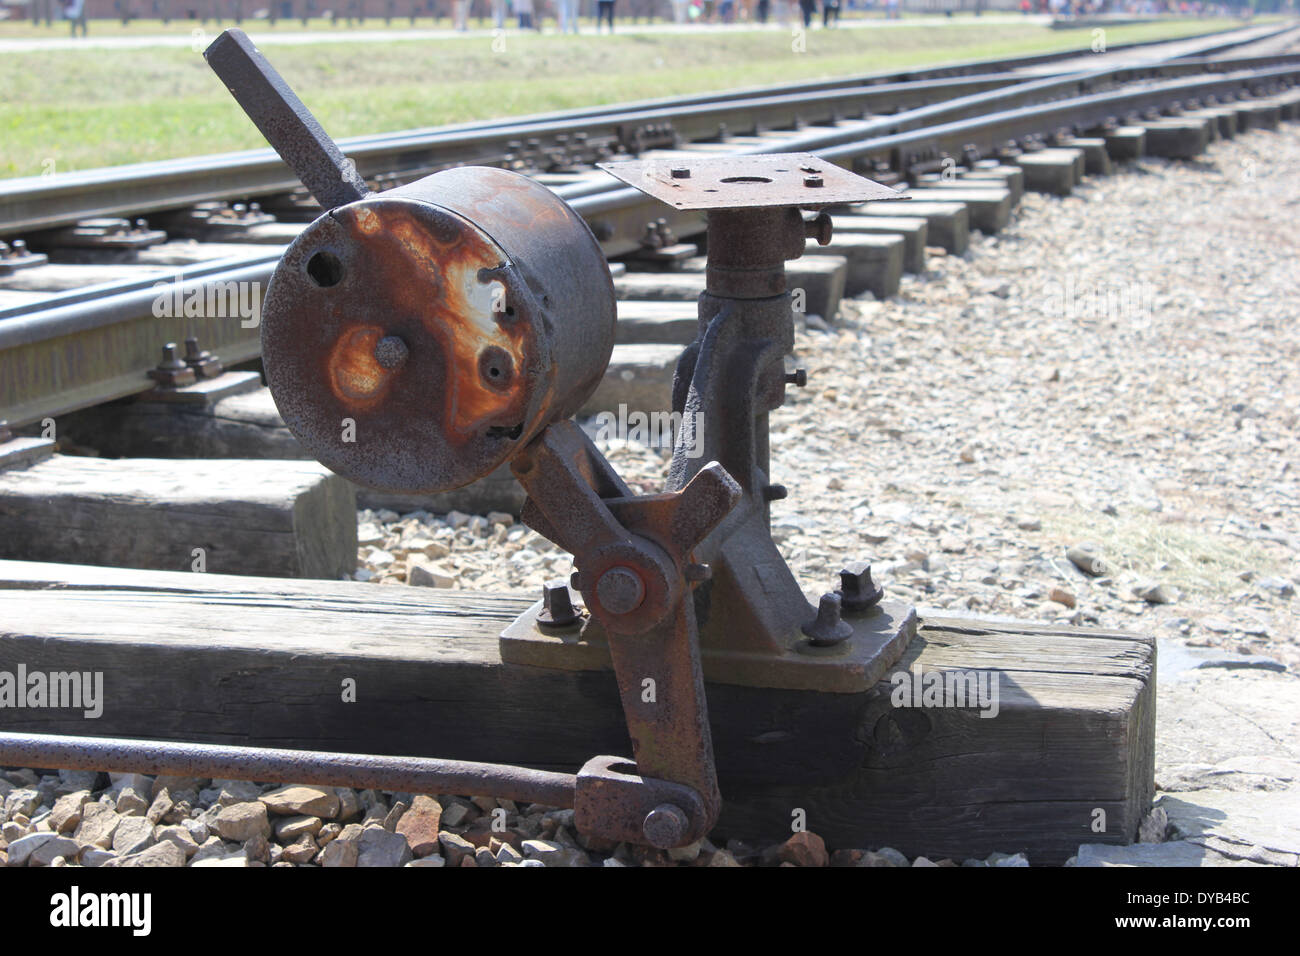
(854, 665)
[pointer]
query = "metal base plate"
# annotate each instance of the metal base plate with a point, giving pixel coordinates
(737, 182)
(858, 663)
(12, 263)
(207, 391)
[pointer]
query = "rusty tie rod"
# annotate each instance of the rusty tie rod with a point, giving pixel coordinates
(361, 771)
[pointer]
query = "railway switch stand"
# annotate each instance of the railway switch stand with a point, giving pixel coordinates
(416, 339)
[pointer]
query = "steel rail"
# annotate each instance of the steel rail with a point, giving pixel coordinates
(42, 202)
(361, 771)
(93, 350)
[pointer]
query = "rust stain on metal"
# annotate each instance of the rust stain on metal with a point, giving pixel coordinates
(355, 374)
(446, 273)
(521, 207)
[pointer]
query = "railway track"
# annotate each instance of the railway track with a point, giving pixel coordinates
(222, 220)
(556, 140)
(963, 148)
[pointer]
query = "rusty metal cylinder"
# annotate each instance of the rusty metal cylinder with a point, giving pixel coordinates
(415, 339)
(748, 249)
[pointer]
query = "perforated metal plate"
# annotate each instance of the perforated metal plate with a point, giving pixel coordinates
(736, 182)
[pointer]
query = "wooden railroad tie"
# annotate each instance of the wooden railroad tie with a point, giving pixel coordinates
(255, 661)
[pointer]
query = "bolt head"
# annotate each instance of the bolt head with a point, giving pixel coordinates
(391, 352)
(858, 592)
(557, 605)
(665, 826)
(620, 590)
(171, 360)
(828, 629)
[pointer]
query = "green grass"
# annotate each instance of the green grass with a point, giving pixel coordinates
(67, 110)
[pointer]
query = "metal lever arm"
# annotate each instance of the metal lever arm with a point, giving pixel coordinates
(632, 553)
(284, 120)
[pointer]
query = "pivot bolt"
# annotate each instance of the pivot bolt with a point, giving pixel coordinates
(391, 352)
(828, 629)
(813, 182)
(665, 826)
(681, 172)
(857, 591)
(557, 606)
(774, 492)
(620, 590)
(797, 378)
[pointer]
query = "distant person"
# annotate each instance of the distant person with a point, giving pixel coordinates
(498, 14)
(74, 11)
(679, 10)
(809, 8)
(460, 14)
(605, 11)
(891, 9)
(567, 13)
(726, 10)
(830, 13)
(763, 8)
(524, 11)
